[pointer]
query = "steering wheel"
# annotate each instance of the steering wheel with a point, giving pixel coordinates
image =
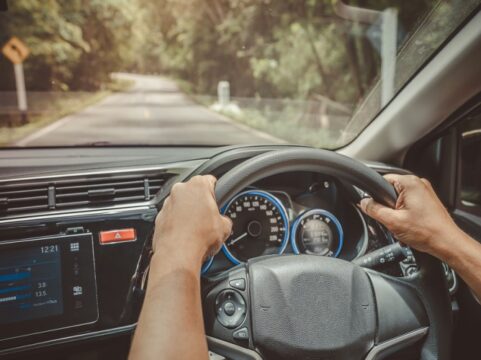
(312, 307)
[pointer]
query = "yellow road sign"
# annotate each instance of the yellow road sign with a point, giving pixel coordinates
(15, 50)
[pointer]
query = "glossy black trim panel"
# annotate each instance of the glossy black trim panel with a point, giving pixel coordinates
(121, 330)
(76, 214)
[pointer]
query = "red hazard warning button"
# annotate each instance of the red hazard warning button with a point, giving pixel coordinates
(114, 236)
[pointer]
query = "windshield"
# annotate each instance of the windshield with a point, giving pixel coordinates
(209, 72)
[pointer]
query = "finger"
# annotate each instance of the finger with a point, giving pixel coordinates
(392, 178)
(166, 202)
(406, 181)
(428, 185)
(213, 250)
(211, 181)
(227, 222)
(176, 188)
(426, 182)
(431, 190)
(164, 208)
(378, 212)
(395, 180)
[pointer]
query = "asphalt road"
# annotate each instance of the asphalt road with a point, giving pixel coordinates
(154, 111)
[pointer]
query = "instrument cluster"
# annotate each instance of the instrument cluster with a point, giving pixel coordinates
(293, 214)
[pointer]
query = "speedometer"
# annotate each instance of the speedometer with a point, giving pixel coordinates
(260, 226)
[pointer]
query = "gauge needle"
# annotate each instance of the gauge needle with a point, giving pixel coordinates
(233, 241)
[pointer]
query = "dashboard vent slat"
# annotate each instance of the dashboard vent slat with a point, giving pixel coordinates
(24, 192)
(99, 194)
(15, 199)
(100, 184)
(29, 208)
(106, 191)
(96, 203)
(80, 192)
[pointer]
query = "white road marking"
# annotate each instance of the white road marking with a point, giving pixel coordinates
(42, 132)
(58, 123)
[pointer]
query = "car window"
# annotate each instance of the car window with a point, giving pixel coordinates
(199, 72)
(470, 194)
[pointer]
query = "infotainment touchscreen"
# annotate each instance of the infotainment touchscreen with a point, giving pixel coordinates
(30, 283)
(47, 284)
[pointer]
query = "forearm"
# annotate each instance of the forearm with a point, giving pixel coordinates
(463, 255)
(171, 313)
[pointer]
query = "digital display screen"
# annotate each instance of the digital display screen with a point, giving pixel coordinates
(30, 283)
(47, 284)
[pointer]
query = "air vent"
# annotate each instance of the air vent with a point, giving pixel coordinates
(79, 192)
(106, 191)
(17, 199)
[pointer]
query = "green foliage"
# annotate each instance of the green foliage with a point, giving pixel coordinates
(289, 129)
(264, 48)
(75, 44)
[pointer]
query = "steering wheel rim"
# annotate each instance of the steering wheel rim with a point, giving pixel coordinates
(436, 303)
(304, 159)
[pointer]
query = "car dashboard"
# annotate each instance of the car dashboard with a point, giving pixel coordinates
(75, 237)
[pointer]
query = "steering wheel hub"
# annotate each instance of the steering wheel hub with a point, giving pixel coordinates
(311, 307)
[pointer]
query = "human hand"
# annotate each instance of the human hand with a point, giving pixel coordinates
(419, 219)
(189, 228)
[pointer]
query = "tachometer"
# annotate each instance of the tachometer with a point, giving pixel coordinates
(317, 232)
(260, 226)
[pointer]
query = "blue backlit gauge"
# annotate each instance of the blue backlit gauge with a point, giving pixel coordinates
(317, 232)
(260, 226)
(206, 265)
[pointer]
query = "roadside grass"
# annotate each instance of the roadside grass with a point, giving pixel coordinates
(282, 120)
(288, 128)
(46, 108)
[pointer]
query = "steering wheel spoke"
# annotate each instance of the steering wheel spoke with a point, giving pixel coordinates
(226, 310)
(401, 315)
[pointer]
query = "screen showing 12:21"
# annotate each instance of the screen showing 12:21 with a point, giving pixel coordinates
(30, 283)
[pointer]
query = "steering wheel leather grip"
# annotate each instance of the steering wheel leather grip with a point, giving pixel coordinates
(304, 159)
(424, 295)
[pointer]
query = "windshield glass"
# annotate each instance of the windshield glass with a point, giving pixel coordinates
(209, 72)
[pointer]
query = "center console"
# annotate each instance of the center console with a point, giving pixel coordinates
(62, 282)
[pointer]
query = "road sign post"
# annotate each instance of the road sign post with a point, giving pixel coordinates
(16, 51)
(21, 91)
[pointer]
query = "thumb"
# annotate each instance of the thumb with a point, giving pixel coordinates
(381, 213)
